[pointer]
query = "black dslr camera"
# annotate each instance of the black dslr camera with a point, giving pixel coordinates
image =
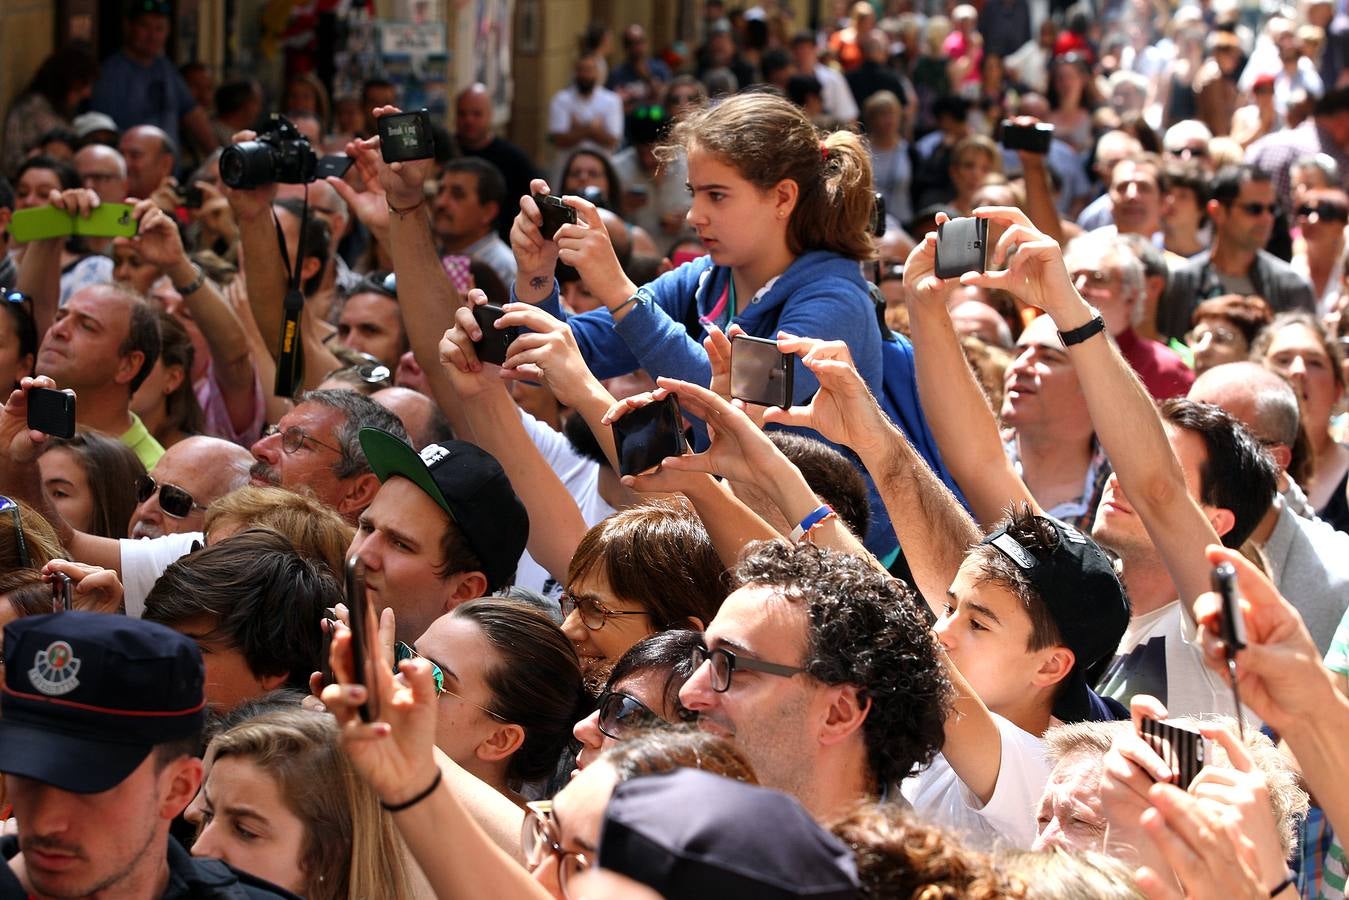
(280, 154)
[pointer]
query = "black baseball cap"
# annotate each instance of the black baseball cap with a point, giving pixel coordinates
(691, 834)
(87, 696)
(470, 485)
(1078, 585)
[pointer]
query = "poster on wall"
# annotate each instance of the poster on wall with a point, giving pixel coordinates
(483, 39)
(416, 58)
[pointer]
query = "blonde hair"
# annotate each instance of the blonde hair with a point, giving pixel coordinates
(351, 848)
(318, 533)
(767, 139)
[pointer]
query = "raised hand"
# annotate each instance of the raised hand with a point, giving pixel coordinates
(535, 255)
(586, 247)
(403, 182)
(469, 375)
(157, 240)
(93, 588)
(547, 353)
(921, 284)
(1036, 273)
(1207, 855)
(21, 443)
(215, 216)
(843, 410)
(79, 202)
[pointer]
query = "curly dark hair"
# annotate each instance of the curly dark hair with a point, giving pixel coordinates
(870, 630)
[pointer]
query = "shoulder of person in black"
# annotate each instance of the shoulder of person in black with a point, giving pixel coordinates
(189, 877)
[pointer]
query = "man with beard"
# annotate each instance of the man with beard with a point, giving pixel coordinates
(584, 114)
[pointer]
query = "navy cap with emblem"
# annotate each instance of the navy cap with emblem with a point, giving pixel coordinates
(1077, 583)
(87, 696)
(470, 485)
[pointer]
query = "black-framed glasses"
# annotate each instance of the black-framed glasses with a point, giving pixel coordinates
(173, 500)
(724, 663)
(402, 651)
(7, 504)
(1255, 209)
(539, 841)
(1333, 212)
(594, 613)
(293, 438)
(620, 713)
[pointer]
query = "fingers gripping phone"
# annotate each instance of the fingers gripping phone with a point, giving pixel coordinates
(647, 435)
(962, 246)
(1182, 749)
(555, 214)
(364, 653)
(406, 136)
(1231, 630)
(51, 412)
(61, 591)
(495, 341)
(760, 372)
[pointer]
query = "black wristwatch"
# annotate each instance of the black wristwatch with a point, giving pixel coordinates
(1082, 332)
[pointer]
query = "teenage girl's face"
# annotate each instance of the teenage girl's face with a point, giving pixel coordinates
(34, 187)
(731, 216)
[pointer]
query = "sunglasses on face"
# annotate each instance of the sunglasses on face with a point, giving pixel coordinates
(1255, 209)
(173, 500)
(1332, 212)
(402, 651)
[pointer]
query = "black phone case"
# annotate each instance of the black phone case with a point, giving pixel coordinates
(357, 601)
(1031, 138)
(1183, 750)
(492, 347)
(555, 214)
(335, 166)
(962, 246)
(646, 436)
(51, 412)
(406, 136)
(761, 373)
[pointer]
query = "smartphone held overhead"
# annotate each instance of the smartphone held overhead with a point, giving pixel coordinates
(647, 435)
(555, 214)
(495, 341)
(51, 412)
(962, 246)
(761, 373)
(406, 136)
(364, 637)
(44, 222)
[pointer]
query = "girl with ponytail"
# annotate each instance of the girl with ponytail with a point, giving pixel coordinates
(785, 215)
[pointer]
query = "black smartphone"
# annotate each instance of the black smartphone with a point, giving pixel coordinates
(406, 136)
(326, 663)
(1184, 750)
(555, 214)
(1232, 629)
(646, 436)
(335, 165)
(358, 610)
(492, 347)
(51, 412)
(191, 196)
(878, 215)
(962, 246)
(1031, 138)
(61, 592)
(760, 372)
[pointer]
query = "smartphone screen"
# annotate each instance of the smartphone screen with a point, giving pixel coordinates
(406, 136)
(51, 412)
(364, 653)
(760, 372)
(60, 592)
(646, 436)
(492, 347)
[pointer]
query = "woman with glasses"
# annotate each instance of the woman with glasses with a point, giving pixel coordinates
(508, 690)
(642, 692)
(646, 569)
(1224, 328)
(18, 337)
(280, 801)
(1297, 346)
(91, 480)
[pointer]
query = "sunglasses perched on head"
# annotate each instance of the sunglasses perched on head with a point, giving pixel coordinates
(11, 507)
(173, 500)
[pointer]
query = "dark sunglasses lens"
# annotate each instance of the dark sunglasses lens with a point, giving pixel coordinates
(175, 501)
(145, 488)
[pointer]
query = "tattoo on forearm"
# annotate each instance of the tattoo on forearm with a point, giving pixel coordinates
(538, 282)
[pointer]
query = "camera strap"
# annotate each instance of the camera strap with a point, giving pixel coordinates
(290, 354)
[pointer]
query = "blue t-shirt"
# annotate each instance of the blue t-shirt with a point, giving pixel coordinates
(134, 94)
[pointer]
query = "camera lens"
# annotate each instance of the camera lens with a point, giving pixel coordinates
(248, 164)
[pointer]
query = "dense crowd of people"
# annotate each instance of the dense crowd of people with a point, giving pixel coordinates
(346, 583)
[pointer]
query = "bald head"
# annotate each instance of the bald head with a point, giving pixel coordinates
(149, 154)
(424, 421)
(207, 468)
(473, 117)
(103, 171)
(1258, 398)
(981, 320)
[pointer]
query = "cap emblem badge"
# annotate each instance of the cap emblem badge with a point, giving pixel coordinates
(55, 669)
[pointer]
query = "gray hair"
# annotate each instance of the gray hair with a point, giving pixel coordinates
(1323, 163)
(358, 411)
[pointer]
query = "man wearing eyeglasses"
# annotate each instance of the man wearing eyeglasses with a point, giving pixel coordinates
(1321, 217)
(103, 171)
(1243, 208)
(824, 671)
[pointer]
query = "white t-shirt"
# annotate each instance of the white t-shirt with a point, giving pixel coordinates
(1007, 821)
(1159, 655)
(581, 477)
(145, 559)
(603, 104)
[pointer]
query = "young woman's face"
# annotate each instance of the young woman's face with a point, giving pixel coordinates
(585, 171)
(464, 654)
(34, 187)
(12, 361)
(648, 688)
(67, 484)
(731, 216)
(1297, 354)
(245, 821)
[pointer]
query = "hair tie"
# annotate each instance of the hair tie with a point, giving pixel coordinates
(824, 151)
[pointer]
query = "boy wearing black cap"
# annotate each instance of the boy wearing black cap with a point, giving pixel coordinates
(100, 718)
(445, 527)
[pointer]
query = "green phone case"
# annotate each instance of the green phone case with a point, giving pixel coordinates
(109, 220)
(40, 223)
